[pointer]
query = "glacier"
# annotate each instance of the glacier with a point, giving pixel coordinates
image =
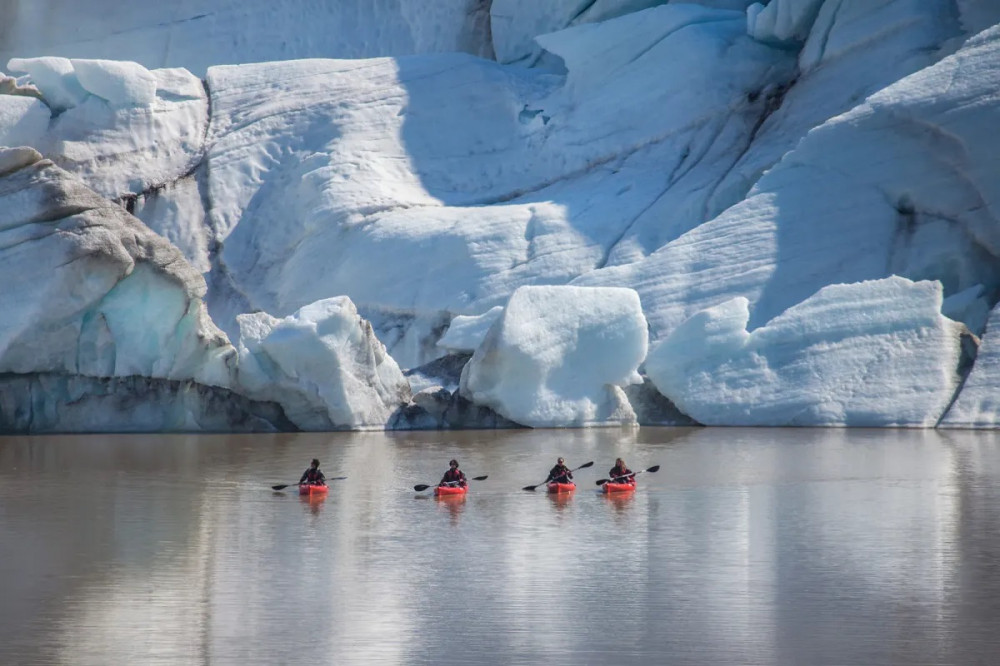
(447, 214)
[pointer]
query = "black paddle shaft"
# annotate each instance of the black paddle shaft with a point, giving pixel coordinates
(587, 464)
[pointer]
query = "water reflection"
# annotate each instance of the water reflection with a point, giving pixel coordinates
(453, 504)
(749, 546)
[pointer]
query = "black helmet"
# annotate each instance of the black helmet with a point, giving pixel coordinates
(315, 462)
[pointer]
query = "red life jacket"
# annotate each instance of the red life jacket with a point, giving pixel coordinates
(453, 475)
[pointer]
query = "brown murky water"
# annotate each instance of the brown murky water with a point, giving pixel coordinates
(747, 547)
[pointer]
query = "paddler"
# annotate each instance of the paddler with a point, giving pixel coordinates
(312, 476)
(620, 473)
(454, 476)
(560, 473)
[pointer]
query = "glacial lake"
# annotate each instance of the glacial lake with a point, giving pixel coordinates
(748, 546)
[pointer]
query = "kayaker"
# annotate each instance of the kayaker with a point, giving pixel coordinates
(560, 473)
(312, 476)
(454, 476)
(619, 471)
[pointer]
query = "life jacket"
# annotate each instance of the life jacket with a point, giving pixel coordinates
(559, 472)
(617, 471)
(313, 477)
(453, 475)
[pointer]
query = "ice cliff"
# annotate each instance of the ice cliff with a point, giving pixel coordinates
(497, 213)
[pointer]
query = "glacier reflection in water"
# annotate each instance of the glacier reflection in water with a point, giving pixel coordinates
(749, 546)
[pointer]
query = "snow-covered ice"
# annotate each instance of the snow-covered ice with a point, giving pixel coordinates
(466, 333)
(782, 21)
(978, 404)
(23, 120)
(196, 34)
(754, 166)
(559, 356)
(91, 291)
(468, 179)
(119, 83)
(876, 353)
(905, 184)
(54, 77)
(323, 365)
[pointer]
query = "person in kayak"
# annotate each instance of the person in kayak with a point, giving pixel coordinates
(560, 473)
(454, 476)
(619, 471)
(312, 476)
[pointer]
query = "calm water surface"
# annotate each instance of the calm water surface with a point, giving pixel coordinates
(747, 547)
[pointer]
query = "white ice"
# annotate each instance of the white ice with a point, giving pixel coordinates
(120, 83)
(196, 34)
(467, 179)
(782, 21)
(23, 120)
(875, 353)
(323, 365)
(559, 356)
(54, 77)
(466, 332)
(89, 290)
(665, 150)
(978, 404)
(904, 184)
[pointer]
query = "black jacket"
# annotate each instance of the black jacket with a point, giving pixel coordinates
(561, 474)
(313, 477)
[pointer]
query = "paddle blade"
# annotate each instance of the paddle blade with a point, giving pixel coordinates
(589, 464)
(282, 487)
(654, 468)
(337, 478)
(480, 478)
(421, 486)
(601, 482)
(530, 487)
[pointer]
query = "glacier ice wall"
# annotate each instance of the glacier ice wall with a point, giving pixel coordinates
(196, 34)
(694, 152)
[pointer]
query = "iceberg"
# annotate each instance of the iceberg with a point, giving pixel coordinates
(876, 353)
(559, 356)
(323, 365)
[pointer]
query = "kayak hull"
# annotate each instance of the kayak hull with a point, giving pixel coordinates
(618, 487)
(557, 488)
(311, 490)
(446, 491)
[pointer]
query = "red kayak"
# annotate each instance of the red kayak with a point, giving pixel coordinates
(309, 489)
(561, 487)
(618, 487)
(441, 491)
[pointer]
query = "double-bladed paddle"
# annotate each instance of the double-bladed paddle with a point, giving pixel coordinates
(601, 482)
(425, 486)
(285, 485)
(546, 481)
